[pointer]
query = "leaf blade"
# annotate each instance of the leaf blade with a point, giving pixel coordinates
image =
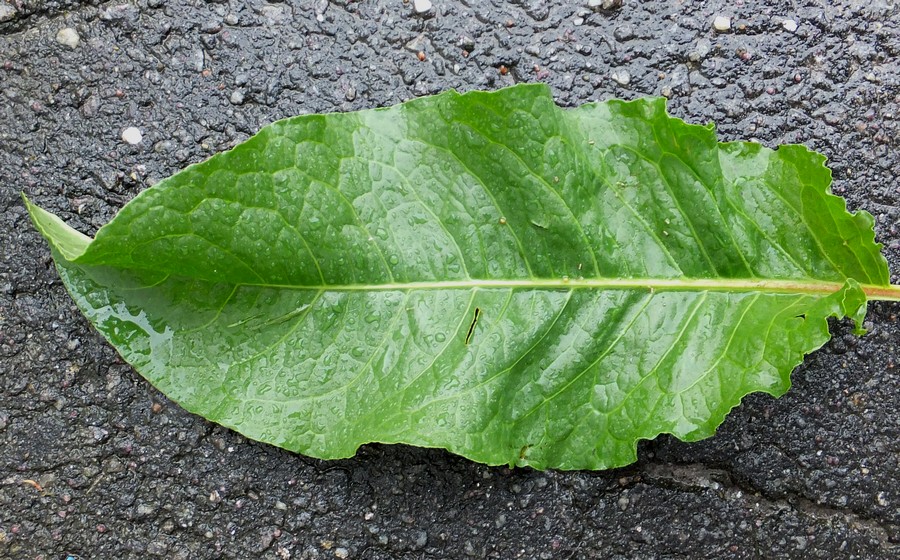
(608, 248)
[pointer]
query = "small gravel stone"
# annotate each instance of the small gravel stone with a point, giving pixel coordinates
(237, 97)
(421, 6)
(121, 12)
(605, 4)
(623, 32)
(90, 106)
(157, 548)
(114, 466)
(211, 26)
(68, 37)
(701, 49)
(321, 8)
(621, 77)
(419, 43)
(7, 12)
(421, 539)
(132, 135)
(722, 24)
(341, 553)
(98, 434)
(275, 14)
(163, 146)
(789, 25)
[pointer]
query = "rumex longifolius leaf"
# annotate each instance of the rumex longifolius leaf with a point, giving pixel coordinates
(486, 273)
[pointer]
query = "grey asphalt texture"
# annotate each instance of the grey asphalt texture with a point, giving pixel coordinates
(95, 463)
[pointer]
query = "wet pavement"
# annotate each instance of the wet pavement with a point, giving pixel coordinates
(100, 100)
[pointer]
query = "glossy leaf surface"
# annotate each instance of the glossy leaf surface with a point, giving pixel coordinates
(317, 286)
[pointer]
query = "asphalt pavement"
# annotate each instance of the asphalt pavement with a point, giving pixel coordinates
(95, 463)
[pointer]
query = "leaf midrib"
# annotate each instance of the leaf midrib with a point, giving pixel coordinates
(804, 287)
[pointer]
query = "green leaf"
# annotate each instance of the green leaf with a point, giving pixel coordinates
(317, 286)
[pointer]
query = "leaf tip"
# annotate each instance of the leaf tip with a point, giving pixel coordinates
(65, 240)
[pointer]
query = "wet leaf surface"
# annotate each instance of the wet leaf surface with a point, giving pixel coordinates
(486, 273)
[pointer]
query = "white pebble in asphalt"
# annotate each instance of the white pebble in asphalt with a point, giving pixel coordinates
(621, 77)
(132, 135)
(722, 24)
(68, 37)
(7, 12)
(422, 6)
(790, 25)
